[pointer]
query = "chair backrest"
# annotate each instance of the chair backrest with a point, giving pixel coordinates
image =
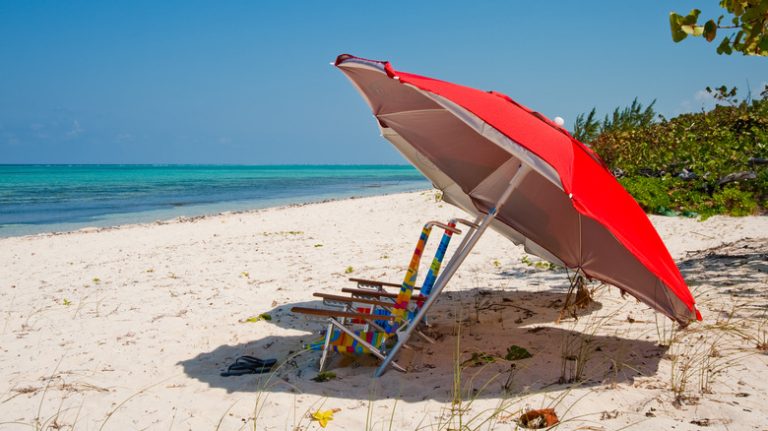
(401, 309)
(434, 268)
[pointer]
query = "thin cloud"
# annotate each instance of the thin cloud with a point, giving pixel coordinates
(700, 101)
(76, 129)
(124, 137)
(704, 97)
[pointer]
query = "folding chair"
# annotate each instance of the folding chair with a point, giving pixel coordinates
(387, 313)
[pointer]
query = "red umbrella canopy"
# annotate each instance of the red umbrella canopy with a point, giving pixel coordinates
(567, 208)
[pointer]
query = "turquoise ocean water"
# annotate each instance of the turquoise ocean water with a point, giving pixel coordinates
(49, 198)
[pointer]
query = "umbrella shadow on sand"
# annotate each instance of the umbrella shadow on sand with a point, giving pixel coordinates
(481, 324)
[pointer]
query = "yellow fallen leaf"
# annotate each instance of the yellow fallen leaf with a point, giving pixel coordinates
(324, 417)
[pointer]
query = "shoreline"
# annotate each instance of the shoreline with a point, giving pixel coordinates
(56, 198)
(188, 218)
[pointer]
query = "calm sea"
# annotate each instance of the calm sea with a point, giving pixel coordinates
(47, 198)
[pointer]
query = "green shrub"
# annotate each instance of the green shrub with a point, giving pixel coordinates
(733, 201)
(516, 353)
(650, 193)
(679, 166)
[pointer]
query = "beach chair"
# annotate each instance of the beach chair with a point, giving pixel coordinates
(377, 290)
(386, 313)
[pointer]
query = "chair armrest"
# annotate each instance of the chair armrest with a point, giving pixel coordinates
(377, 283)
(377, 294)
(340, 314)
(347, 299)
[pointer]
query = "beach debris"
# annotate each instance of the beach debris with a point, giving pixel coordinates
(349, 270)
(259, 318)
(538, 264)
(687, 175)
(323, 417)
(515, 352)
(510, 378)
(284, 233)
(578, 297)
(537, 419)
(247, 364)
(324, 376)
(479, 358)
(737, 176)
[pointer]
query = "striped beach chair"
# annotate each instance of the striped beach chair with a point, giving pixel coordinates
(386, 314)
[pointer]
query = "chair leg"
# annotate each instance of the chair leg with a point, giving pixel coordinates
(426, 337)
(397, 367)
(326, 347)
(376, 352)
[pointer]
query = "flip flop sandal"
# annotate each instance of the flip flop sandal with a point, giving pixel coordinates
(254, 361)
(242, 369)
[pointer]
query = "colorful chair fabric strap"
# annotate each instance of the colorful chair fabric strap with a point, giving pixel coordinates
(342, 342)
(400, 308)
(434, 268)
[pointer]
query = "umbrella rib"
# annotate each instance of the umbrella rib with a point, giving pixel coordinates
(492, 134)
(581, 244)
(414, 111)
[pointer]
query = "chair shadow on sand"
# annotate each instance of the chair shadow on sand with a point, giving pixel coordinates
(473, 321)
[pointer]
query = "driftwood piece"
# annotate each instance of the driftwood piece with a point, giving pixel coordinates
(737, 176)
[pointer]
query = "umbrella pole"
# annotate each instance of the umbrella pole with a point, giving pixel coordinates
(452, 267)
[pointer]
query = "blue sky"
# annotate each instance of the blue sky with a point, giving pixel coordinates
(250, 82)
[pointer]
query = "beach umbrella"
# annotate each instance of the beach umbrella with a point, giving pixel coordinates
(524, 176)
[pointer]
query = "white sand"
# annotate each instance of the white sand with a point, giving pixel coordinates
(129, 328)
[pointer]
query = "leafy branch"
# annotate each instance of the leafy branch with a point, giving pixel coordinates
(749, 17)
(588, 128)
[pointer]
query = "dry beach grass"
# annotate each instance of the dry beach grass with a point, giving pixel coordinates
(129, 328)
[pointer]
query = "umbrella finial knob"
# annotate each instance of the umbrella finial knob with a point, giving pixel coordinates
(559, 121)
